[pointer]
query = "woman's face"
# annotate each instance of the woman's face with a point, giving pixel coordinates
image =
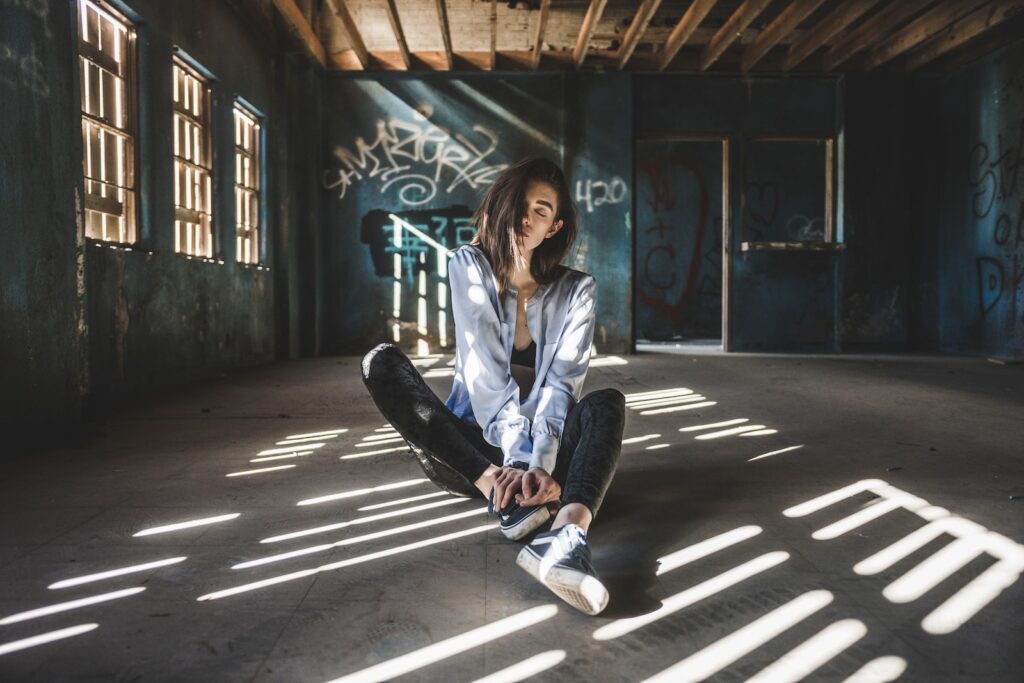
(539, 221)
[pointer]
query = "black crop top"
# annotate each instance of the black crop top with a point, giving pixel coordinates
(527, 356)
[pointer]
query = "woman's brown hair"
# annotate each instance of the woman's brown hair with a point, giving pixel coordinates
(499, 221)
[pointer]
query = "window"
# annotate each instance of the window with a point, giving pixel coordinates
(193, 203)
(789, 194)
(105, 54)
(247, 185)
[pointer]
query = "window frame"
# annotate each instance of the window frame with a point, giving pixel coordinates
(831, 239)
(240, 107)
(205, 122)
(130, 110)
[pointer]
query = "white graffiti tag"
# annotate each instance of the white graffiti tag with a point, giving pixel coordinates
(593, 193)
(402, 146)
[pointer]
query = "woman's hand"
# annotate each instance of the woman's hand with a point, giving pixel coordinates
(507, 483)
(538, 488)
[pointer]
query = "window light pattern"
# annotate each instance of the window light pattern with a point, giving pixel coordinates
(105, 50)
(247, 185)
(193, 212)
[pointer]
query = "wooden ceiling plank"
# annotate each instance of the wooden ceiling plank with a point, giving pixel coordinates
(974, 24)
(538, 39)
(691, 19)
(873, 29)
(731, 30)
(593, 16)
(297, 20)
(795, 12)
(826, 29)
(339, 10)
(396, 26)
(918, 31)
(446, 36)
(636, 29)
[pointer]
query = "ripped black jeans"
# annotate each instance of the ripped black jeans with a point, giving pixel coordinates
(453, 452)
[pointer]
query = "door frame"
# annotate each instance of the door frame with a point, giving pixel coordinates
(726, 222)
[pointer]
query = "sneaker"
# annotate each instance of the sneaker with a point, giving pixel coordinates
(516, 521)
(560, 560)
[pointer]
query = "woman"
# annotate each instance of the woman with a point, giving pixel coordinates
(516, 428)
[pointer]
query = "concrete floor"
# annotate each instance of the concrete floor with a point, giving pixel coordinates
(933, 431)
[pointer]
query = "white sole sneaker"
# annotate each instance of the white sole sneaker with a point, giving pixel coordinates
(581, 590)
(528, 524)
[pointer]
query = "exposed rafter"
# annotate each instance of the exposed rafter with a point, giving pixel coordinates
(731, 30)
(297, 20)
(953, 36)
(538, 39)
(446, 36)
(826, 29)
(636, 29)
(339, 10)
(795, 12)
(695, 14)
(874, 28)
(918, 31)
(396, 26)
(494, 34)
(875, 31)
(594, 13)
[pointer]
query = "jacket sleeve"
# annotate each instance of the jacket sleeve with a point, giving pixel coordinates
(493, 392)
(562, 386)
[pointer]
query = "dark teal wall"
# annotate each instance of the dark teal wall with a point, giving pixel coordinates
(980, 198)
(85, 324)
(428, 149)
(43, 343)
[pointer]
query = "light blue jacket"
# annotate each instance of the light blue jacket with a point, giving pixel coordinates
(560, 317)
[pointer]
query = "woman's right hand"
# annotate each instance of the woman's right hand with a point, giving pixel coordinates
(507, 483)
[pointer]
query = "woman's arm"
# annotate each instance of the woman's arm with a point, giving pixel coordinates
(562, 386)
(493, 393)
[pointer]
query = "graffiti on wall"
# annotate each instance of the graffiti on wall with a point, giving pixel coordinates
(785, 191)
(592, 194)
(412, 252)
(997, 204)
(416, 160)
(679, 248)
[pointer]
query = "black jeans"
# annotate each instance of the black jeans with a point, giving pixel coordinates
(453, 452)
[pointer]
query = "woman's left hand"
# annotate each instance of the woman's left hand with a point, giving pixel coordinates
(507, 484)
(539, 488)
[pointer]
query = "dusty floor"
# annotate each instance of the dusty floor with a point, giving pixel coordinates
(927, 451)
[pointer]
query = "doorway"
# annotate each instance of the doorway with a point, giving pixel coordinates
(682, 260)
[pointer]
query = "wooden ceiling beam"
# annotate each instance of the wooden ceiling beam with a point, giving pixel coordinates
(731, 30)
(593, 16)
(339, 10)
(826, 29)
(494, 34)
(974, 24)
(636, 29)
(396, 26)
(872, 30)
(446, 36)
(297, 20)
(538, 38)
(691, 19)
(918, 31)
(788, 19)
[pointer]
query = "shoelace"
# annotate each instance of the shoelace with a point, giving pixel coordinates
(566, 541)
